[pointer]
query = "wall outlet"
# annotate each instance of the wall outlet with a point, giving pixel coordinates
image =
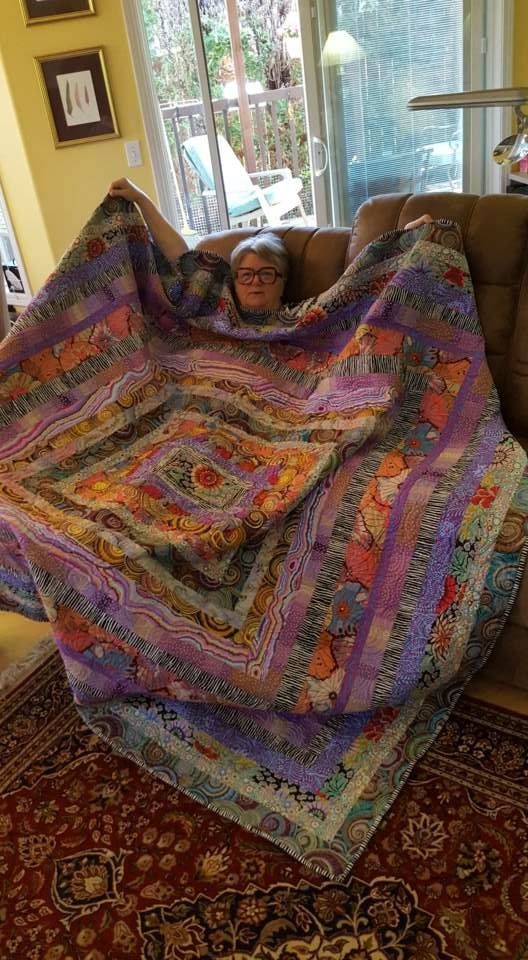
(133, 153)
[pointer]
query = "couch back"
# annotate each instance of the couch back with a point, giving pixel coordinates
(495, 232)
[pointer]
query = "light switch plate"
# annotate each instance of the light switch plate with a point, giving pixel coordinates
(133, 153)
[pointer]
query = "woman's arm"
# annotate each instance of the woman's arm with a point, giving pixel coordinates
(167, 238)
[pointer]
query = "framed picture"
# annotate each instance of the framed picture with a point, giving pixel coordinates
(13, 278)
(77, 96)
(36, 11)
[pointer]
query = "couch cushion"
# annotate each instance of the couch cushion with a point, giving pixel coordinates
(495, 231)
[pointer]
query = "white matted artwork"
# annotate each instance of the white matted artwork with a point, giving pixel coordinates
(77, 96)
(77, 93)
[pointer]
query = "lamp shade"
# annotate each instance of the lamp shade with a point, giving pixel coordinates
(341, 47)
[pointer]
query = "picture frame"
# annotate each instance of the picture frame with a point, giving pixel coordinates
(13, 276)
(38, 11)
(77, 96)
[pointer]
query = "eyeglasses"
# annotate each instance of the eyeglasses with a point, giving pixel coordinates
(266, 275)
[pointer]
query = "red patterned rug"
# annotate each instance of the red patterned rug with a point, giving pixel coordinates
(99, 861)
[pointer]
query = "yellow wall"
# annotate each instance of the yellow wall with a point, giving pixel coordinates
(19, 189)
(51, 191)
(520, 43)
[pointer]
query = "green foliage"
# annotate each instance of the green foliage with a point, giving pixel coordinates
(263, 29)
(172, 50)
(218, 53)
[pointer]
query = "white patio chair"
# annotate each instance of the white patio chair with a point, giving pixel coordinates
(246, 199)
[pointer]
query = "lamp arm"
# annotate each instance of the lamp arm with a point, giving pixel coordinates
(512, 148)
(505, 97)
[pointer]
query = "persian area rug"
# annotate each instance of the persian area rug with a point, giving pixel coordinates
(272, 548)
(100, 861)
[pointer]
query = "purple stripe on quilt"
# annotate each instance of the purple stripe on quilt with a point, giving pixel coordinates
(34, 341)
(316, 527)
(421, 282)
(25, 582)
(466, 341)
(457, 431)
(309, 778)
(420, 626)
(109, 683)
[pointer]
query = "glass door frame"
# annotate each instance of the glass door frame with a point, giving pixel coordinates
(499, 121)
(488, 28)
(314, 110)
(488, 35)
(164, 176)
(209, 119)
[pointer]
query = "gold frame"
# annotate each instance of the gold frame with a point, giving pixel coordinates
(69, 55)
(29, 20)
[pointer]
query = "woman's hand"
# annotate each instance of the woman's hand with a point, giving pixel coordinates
(426, 218)
(127, 190)
(168, 239)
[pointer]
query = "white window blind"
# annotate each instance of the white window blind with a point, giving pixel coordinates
(406, 48)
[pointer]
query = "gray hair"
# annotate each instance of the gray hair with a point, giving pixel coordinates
(266, 245)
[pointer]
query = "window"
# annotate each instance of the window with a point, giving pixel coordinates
(367, 59)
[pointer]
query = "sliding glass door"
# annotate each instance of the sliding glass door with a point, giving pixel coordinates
(306, 101)
(231, 105)
(363, 60)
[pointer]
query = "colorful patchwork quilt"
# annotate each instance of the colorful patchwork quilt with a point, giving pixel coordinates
(272, 547)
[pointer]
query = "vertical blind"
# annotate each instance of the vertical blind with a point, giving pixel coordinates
(406, 48)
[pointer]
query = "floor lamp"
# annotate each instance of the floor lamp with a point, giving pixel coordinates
(509, 150)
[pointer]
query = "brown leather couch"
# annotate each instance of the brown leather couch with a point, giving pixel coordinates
(495, 230)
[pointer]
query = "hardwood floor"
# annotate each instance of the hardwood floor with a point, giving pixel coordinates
(18, 635)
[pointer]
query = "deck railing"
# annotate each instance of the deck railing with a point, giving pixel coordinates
(279, 136)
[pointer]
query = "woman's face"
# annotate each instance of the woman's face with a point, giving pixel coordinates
(259, 293)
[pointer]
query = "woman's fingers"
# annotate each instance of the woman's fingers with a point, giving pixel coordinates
(120, 184)
(125, 188)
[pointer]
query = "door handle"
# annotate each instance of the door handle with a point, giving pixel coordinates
(321, 148)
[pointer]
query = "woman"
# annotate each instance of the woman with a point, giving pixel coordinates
(259, 264)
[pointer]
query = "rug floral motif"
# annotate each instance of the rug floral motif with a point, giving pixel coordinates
(99, 861)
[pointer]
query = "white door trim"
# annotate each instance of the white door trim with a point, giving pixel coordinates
(499, 73)
(474, 121)
(209, 117)
(157, 141)
(490, 67)
(315, 129)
